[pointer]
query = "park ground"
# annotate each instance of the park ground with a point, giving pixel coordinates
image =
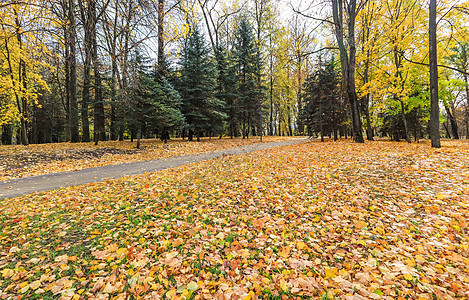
(380, 220)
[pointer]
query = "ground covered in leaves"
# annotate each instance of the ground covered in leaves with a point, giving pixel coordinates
(20, 161)
(317, 220)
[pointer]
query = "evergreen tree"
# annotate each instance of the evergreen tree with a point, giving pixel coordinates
(162, 107)
(324, 109)
(247, 63)
(203, 111)
(227, 89)
(153, 105)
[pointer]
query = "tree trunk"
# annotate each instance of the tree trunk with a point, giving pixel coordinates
(271, 89)
(7, 134)
(66, 29)
(434, 103)
(467, 106)
(161, 63)
(139, 136)
(404, 120)
(99, 121)
(347, 61)
(454, 124)
(85, 123)
(74, 133)
(321, 127)
(448, 135)
(22, 82)
(366, 110)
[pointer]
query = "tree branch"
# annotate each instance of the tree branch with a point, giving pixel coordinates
(310, 17)
(443, 66)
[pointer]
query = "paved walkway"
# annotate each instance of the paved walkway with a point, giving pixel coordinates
(17, 187)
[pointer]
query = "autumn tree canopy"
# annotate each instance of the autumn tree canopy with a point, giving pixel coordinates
(66, 67)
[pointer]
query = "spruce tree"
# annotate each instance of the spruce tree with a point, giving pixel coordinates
(227, 89)
(248, 65)
(163, 107)
(153, 104)
(324, 109)
(198, 87)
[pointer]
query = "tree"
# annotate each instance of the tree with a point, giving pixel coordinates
(21, 63)
(323, 111)
(227, 89)
(346, 42)
(72, 63)
(248, 66)
(197, 86)
(460, 60)
(434, 110)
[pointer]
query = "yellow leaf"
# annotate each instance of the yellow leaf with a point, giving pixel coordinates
(192, 286)
(121, 251)
(419, 258)
(331, 272)
(300, 246)
(407, 276)
(7, 273)
(360, 224)
(283, 285)
(410, 262)
(244, 253)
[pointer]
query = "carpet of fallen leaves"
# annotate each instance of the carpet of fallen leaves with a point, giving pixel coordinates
(19, 161)
(318, 220)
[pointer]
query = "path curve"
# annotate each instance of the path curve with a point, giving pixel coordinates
(21, 186)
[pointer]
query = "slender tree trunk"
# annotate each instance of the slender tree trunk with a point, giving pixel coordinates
(7, 134)
(467, 106)
(66, 29)
(321, 127)
(301, 127)
(85, 123)
(271, 129)
(23, 84)
(448, 134)
(74, 132)
(434, 103)
(404, 120)
(454, 124)
(99, 122)
(139, 136)
(161, 63)
(398, 75)
(271, 96)
(366, 101)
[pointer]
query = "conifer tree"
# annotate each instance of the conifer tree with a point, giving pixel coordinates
(248, 65)
(227, 89)
(324, 109)
(198, 87)
(154, 104)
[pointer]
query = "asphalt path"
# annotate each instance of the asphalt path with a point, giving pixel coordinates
(26, 185)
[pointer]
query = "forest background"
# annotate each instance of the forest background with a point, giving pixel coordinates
(82, 70)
